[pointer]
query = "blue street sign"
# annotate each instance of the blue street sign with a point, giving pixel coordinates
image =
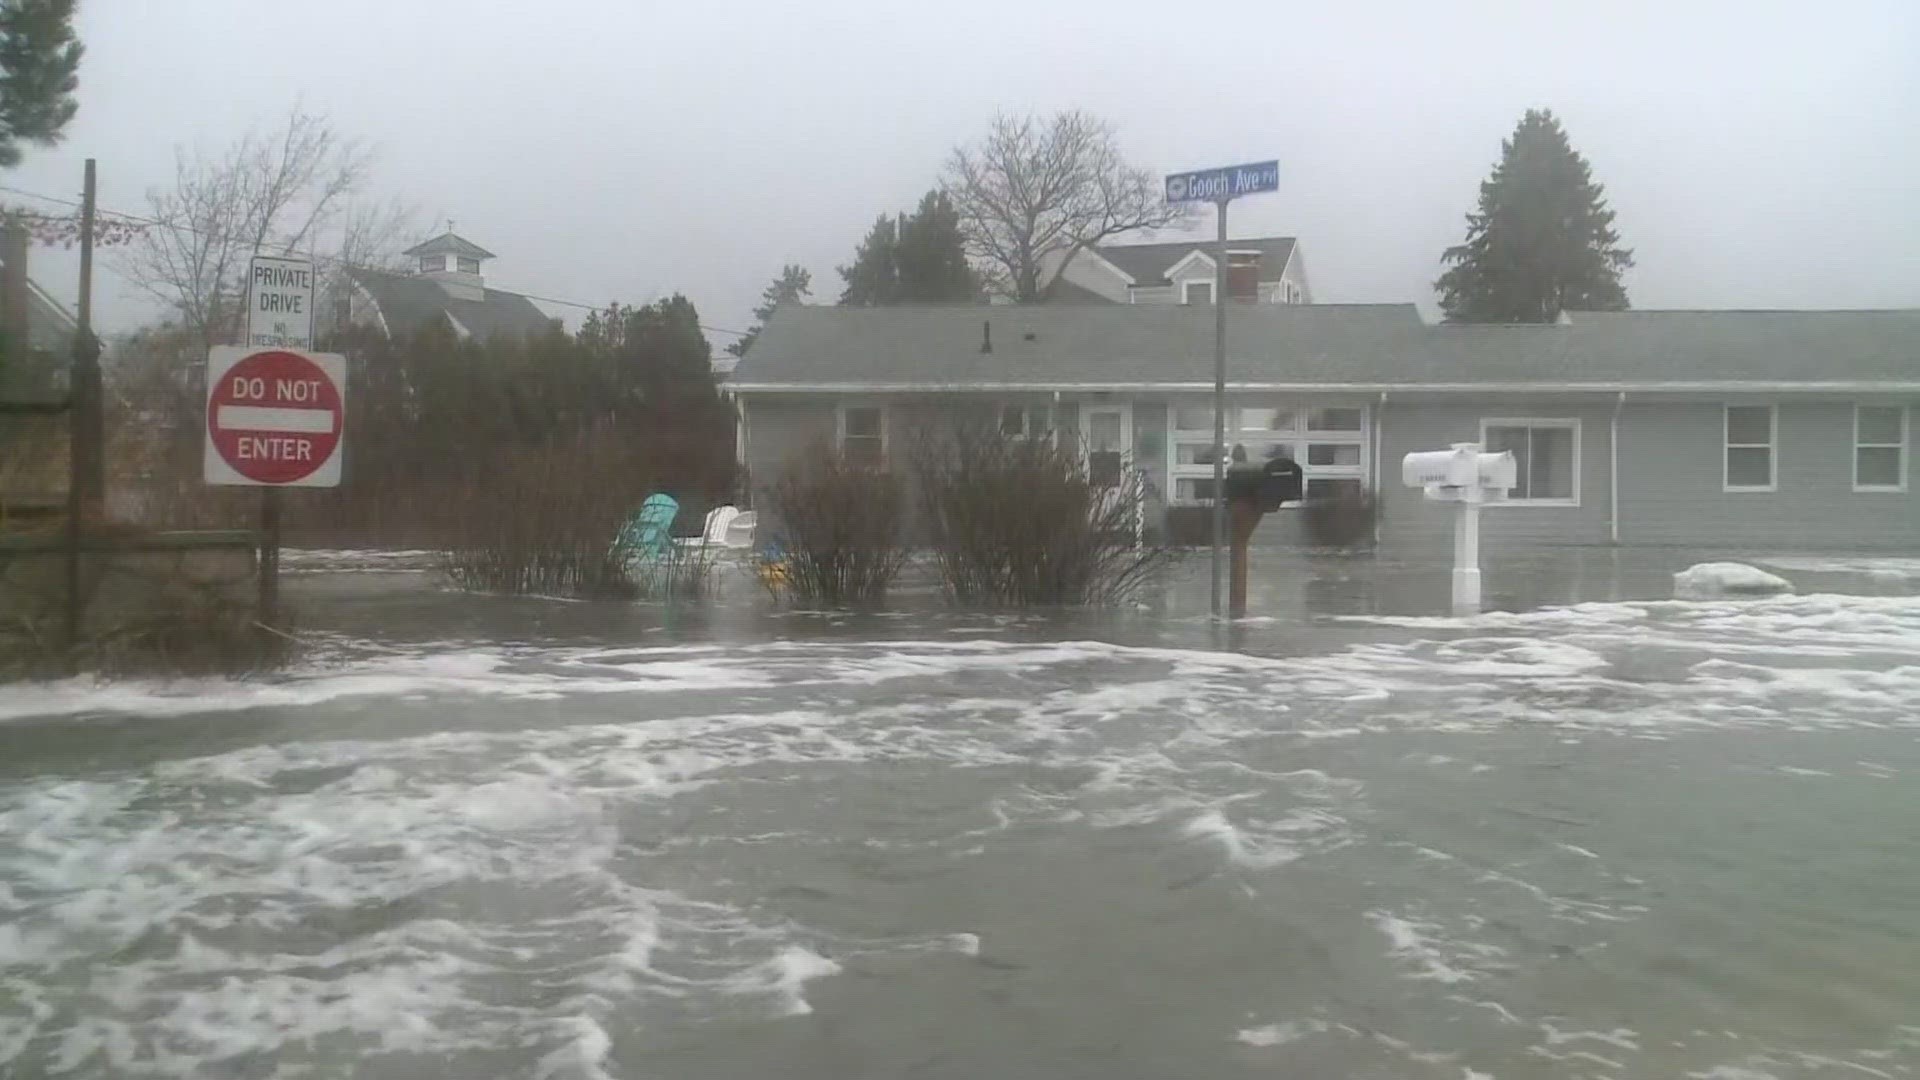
(1219, 185)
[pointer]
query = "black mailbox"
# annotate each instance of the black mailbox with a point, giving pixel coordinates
(1280, 482)
(1244, 482)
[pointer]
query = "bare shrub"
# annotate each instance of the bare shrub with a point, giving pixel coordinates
(681, 572)
(840, 527)
(1018, 521)
(543, 520)
(1343, 519)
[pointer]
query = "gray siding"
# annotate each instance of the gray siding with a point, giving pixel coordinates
(1672, 490)
(1409, 521)
(780, 429)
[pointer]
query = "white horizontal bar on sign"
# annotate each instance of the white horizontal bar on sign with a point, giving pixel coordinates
(258, 418)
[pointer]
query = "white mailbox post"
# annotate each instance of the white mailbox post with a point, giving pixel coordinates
(1467, 477)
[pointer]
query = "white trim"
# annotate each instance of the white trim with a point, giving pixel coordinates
(1301, 437)
(1856, 387)
(1082, 426)
(1772, 444)
(1613, 469)
(1172, 273)
(1195, 284)
(1905, 446)
(1125, 278)
(1561, 423)
(840, 409)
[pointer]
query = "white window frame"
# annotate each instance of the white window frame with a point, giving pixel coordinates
(1186, 294)
(1301, 435)
(1561, 423)
(1772, 444)
(840, 425)
(1906, 435)
(1028, 410)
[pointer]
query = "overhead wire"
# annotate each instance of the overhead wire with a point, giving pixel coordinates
(201, 232)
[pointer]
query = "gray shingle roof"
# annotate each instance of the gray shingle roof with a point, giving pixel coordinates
(450, 243)
(1148, 264)
(408, 302)
(1382, 345)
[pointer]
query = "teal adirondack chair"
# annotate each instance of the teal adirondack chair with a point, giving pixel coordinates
(647, 537)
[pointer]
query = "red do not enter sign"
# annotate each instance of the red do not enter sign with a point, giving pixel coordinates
(274, 417)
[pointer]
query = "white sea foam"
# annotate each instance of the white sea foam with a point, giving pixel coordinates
(1282, 1033)
(784, 977)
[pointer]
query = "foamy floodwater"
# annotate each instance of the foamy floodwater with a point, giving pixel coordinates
(1614, 840)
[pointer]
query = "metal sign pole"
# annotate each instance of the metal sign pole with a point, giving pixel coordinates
(1219, 399)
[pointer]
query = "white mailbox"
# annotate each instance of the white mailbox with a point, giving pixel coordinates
(1467, 477)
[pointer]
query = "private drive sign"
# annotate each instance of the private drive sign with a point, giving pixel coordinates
(274, 417)
(279, 303)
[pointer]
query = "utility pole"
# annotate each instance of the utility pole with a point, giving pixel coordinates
(86, 484)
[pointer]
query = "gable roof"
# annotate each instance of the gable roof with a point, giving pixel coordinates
(1352, 346)
(1147, 264)
(450, 243)
(407, 302)
(1047, 344)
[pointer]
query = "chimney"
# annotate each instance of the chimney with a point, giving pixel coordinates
(986, 336)
(13, 283)
(1243, 275)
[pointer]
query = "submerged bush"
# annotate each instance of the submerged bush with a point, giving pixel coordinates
(840, 528)
(1018, 521)
(1343, 519)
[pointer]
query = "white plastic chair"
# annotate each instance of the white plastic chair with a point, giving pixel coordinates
(739, 531)
(714, 532)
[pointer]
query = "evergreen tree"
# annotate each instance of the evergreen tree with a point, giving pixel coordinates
(917, 256)
(930, 255)
(1542, 240)
(874, 277)
(793, 286)
(39, 57)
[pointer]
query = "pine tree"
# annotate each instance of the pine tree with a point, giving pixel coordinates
(874, 276)
(793, 286)
(39, 57)
(930, 256)
(1542, 241)
(917, 256)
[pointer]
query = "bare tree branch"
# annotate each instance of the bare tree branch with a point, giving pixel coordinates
(1032, 194)
(285, 191)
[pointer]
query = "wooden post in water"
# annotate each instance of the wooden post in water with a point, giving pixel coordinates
(269, 600)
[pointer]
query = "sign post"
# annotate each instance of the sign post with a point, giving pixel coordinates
(275, 418)
(1220, 186)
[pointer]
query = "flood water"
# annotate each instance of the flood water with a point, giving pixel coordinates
(482, 837)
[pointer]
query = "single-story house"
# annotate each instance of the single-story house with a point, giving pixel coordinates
(1775, 429)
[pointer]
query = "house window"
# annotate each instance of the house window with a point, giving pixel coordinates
(466, 265)
(862, 435)
(1880, 448)
(431, 263)
(1750, 431)
(1197, 292)
(1546, 458)
(1026, 421)
(1330, 443)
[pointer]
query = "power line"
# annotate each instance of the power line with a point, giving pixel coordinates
(201, 232)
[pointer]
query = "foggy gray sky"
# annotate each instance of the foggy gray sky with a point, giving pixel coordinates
(1758, 154)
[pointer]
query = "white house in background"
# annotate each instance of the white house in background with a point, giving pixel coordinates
(1266, 269)
(446, 285)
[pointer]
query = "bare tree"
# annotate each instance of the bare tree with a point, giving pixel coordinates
(279, 192)
(1034, 192)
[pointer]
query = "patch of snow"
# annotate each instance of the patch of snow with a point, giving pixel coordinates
(1707, 581)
